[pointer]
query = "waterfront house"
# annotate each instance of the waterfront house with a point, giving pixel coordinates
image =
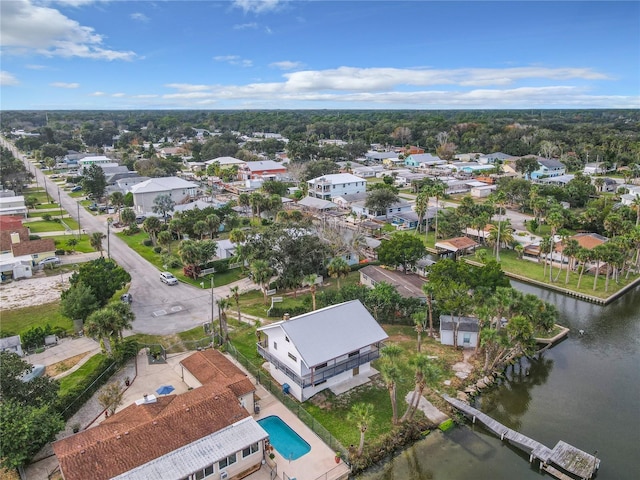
(459, 331)
(329, 348)
(456, 246)
(198, 434)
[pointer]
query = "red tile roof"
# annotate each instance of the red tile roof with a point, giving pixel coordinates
(31, 247)
(141, 433)
(5, 236)
(212, 367)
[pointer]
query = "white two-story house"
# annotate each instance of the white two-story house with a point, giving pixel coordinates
(549, 167)
(322, 349)
(335, 185)
(146, 192)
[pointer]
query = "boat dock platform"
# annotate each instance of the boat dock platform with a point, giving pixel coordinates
(560, 462)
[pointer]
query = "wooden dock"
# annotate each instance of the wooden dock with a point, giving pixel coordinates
(558, 462)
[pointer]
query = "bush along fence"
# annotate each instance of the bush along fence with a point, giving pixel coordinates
(263, 379)
(71, 402)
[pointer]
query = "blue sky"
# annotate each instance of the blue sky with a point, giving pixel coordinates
(310, 54)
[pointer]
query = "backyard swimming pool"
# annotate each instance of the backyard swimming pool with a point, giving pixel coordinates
(286, 441)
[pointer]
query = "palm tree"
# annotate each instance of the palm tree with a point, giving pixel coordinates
(545, 246)
(213, 223)
(261, 273)
(635, 205)
(438, 190)
(583, 256)
(102, 324)
(165, 239)
(571, 249)
(123, 320)
(235, 294)
(428, 289)
(311, 280)
(176, 225)
(391, 375)
(500, 199)
(96, 242)
(200, 228)
(597, 254)
(244, 200)
(422, 207)
(361, 415)
(152, 226)
(117, 200)
(223, 304)
(338, 268)
(425, 373)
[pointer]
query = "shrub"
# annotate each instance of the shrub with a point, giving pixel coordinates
(34, 337)
(38, 237)
(157, 249)
(147, 242)
(46, 217)
(60, 252)
(220, 265)
(171, 261)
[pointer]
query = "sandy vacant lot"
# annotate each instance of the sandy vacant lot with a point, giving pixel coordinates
(32, 291)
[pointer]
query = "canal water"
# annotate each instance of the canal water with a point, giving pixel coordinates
(585, 391)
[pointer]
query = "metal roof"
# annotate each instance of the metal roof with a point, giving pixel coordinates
(199, 454)
(331, 332)
(162, 184)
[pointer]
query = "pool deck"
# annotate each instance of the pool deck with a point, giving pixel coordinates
(318, 463)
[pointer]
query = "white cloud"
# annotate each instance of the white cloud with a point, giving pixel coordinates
(97, 94)
(139, 17)
(118, 95)
(27, 28)
(245, 26)
(257, 6)
(7, 79)
(234, 60)
(64, 85)
(35, 67)
(147, 95)
(286, 65)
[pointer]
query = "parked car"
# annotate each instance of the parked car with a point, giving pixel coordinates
(77, 188)
(126, 298)
(49, 261)
(140, 219)
(168, 278)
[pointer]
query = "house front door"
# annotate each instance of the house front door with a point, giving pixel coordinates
(356, 371)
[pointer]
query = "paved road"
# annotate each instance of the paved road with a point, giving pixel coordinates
(159, 309)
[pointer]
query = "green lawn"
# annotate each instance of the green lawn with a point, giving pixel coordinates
(19, 320)
(535, 271)
(82, 247)
(70, 381)
(135, 243)
(40, 226)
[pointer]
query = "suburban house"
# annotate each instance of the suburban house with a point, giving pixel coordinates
(407, 285)
(496, 157)
(225, 248)
(334, 185)
(548, 167)
(628, 199)
(146, 192)
(197, 434)
(345, 201)
(88, 160)
(360, 208)
(379, 157)
(263, 169)
(559, 180)
(409, 220)
(225, 162)
(13, 205)
(596, 168)
(459, 331)
(18, 254)
(423, 161)
(456, 246)
(316, 205)
(322, 349)
(171, 152)
(211, 367)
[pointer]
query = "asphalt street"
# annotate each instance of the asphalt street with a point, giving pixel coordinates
(159, 309)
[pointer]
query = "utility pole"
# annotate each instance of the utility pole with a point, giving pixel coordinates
(212, 307)
(109, 220)
(78, 204)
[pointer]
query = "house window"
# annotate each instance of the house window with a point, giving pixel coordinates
(275, 345)
(354, 354)
(209, 470)
(322, 365)
(199, 475)
(230, 460)
(293, 357)
(250, 449)
(466, 338)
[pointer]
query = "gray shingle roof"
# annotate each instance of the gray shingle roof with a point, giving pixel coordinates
(331, 331)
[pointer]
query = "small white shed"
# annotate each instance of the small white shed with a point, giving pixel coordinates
(466, 329)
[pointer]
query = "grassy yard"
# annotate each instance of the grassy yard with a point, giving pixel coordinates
(83, 245)
(41, 226)
(70, 381)
(135, 242)
(19, 320)
(512, 264)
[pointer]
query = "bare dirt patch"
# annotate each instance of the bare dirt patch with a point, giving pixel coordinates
(60, 367)
(32, 291)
